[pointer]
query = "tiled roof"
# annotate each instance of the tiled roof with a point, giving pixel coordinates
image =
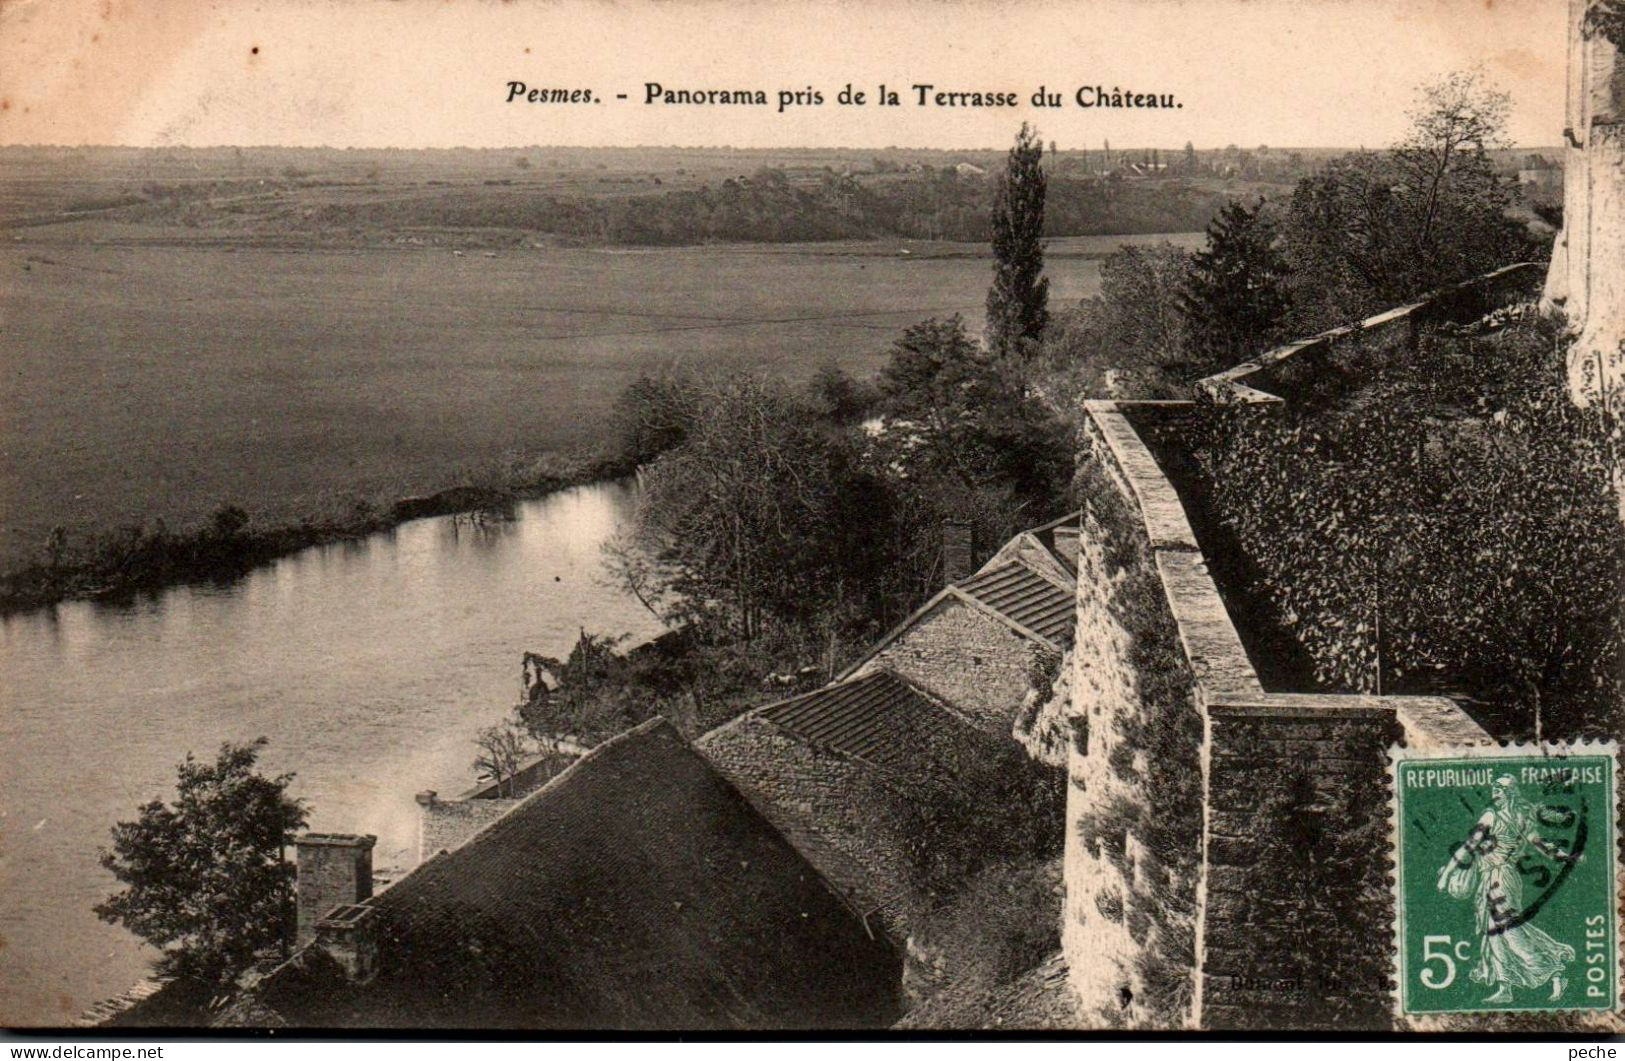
(824, 804)
(637, 890)
(818, 765)
(1022, 594)
(878, 718)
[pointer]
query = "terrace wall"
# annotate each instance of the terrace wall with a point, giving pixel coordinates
(1296, 862)
(1105, 913)
(1293, 917)
(1287, 372)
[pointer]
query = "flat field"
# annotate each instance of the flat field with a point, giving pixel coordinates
(148, 375)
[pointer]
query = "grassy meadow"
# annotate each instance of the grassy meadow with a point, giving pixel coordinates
(159, 374)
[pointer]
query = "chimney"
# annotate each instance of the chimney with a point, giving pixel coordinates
(1066, 544)
(347, 935)
(335, 869)
(958, 551)
(428, 799)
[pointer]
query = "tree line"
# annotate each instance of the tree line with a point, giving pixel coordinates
(771, 206)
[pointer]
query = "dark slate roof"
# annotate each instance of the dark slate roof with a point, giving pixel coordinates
(879, 718)
(637, 890)
(1027, 597)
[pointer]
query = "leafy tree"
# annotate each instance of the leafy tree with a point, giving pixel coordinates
(1371, 230)
(1130, 339)
(763, 513)
(1018, 301)
(936, 382)
(204, 877)
(630, 568)
(654, 414)
(958, 412)
(1235, 292)
(1456, 121)
(838, 398)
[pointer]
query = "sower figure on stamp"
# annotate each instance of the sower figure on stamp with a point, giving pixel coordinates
(1512, 951)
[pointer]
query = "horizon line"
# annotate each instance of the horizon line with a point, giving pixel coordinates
(1554, 145)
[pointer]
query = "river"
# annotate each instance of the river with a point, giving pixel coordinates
(369, 666)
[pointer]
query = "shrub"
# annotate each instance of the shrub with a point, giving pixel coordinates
(982, 805)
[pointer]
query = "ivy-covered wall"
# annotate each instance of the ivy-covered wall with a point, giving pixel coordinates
(1134, 804)
(1227, 847)
(1298, 908)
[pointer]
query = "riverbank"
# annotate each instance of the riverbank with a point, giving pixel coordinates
(165, 381)
(370, 666)
(135, 560)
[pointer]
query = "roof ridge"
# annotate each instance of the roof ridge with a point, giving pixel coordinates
(648, 725)
(1047, 576)
(1076, 513)
(1005, 617)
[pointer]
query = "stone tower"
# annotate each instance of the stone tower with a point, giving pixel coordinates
(1587, 277)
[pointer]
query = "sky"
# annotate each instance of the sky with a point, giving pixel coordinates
(435, 73)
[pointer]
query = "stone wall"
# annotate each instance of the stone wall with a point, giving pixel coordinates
(1298, 905)
(1100, 950)
(1133, 799)
(960, 654)
(1317, 367)
(1291, 919)
(447, 824)
(1042, 727)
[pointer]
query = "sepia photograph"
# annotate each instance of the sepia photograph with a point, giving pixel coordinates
(608, 517)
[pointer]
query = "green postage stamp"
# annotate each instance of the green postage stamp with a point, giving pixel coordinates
(1506, 897)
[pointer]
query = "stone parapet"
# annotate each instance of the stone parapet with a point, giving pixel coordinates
(1293, 916)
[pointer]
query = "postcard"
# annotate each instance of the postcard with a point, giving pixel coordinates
(626, 517)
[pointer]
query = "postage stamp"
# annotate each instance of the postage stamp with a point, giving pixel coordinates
(1506, 861)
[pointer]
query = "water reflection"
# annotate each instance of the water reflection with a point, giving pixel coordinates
(369, 664)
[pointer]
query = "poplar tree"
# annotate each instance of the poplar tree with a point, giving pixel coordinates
(1018, 301)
